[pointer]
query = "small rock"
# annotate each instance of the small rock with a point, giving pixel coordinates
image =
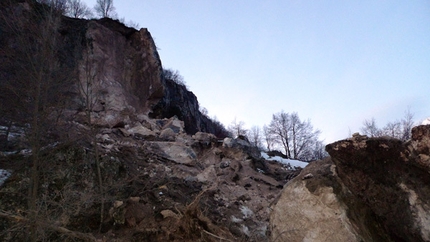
(124, 132)
(134, 199)
(168, 134)
(224, 164)
(118, 204)
(308, 176)
(169, 214)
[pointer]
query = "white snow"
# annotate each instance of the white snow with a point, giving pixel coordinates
(247, 213)
(426, 121)
(4, 174)
(281, 160)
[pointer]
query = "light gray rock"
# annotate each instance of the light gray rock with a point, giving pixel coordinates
(142, 131)
(204, 137)
(177, 152)
(302, 215)
(168, 134)
(174, 124)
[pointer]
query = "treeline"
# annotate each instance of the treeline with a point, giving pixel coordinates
(79, 9)
(399, 129)
(298, 139)
(287, 132)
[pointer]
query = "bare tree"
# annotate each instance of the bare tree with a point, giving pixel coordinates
(392, 129)
(370, 128)
(255, 136)
(397, 129)
(175, 76)
(33, 78)
(105, 9)
(58, 5)
(220, 130)
(407, 123)
(280, 128)
(318, 152)
(78, 9)
(129, 23)
(269, 138)
(132, 24)
(237, 128)
(298, 138)
(87, 87)
(204, 111)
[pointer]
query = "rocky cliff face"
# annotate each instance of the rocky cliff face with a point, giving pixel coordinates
(178, 101)
(129, 77)
(118, 67)
(372, 189)
(109, 166)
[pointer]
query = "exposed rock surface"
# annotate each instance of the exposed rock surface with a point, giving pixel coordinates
(116, 66)
(309, 208)
(117, 159)
(194, 188)
(372, 189)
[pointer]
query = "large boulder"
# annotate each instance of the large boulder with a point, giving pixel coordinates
(371, 189)
(310, 209)
(391, 178)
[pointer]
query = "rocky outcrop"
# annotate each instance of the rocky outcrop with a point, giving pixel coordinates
(317, 206)
(179, 101)
(371, 189)
(391, 178)
(105, 66)
(129, 78)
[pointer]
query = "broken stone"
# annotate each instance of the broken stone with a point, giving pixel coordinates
(142, 131)
(168, 134)
(124, 132)
(169, 214)
(308, 176)
(175, 125)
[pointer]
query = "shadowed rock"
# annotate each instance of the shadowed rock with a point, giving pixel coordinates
(371, 189)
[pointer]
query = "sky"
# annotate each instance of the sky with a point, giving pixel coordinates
(336, 63)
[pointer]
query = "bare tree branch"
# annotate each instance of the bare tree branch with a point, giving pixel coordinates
(78, 9)
(105, 9)
(59, 229)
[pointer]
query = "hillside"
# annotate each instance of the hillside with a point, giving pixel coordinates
(96, 144)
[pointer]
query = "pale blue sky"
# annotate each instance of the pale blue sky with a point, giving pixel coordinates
(336, 63)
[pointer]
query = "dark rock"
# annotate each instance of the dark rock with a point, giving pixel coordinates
(391, 178)
(371, 189)
(272, 153)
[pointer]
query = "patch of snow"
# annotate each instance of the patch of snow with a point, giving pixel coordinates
(15, 133)
(426, 121)
(247, 213)
(236, 220)
(4, 175)
(262, 230)
(25, 152)
(245, 230)
(284, 161)
(6, 153)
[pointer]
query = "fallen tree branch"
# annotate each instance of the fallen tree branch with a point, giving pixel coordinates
(216, 236)
(59, 229)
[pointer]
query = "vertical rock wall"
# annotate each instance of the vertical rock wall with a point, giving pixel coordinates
(126, 72)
